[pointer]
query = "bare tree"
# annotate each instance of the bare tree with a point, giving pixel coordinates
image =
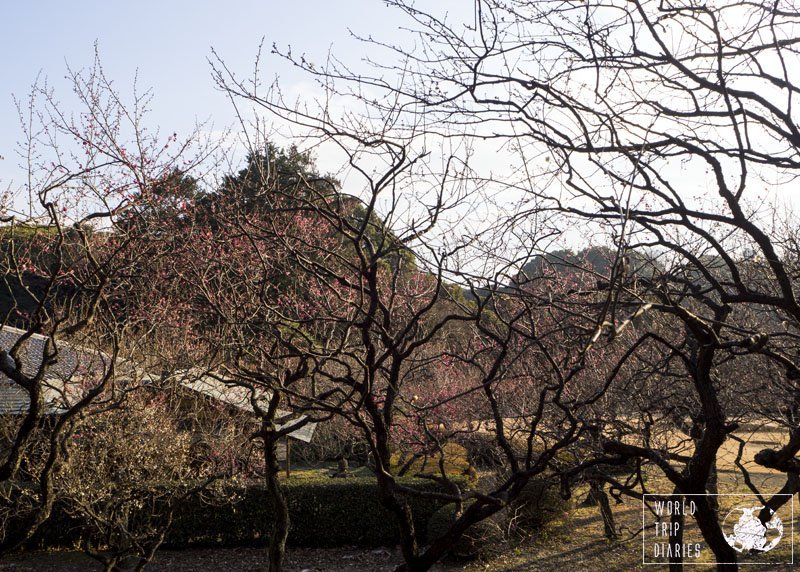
(412, 359)
(66, 258)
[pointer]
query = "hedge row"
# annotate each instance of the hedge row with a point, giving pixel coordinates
(324, 512)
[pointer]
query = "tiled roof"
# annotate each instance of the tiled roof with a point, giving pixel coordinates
(62, 379)
(238, 395)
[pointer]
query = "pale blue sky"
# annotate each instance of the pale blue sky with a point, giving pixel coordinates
(169, 42)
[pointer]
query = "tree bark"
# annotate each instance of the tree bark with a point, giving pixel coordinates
(599, 495)
(281, 522)
(408, 535)
(678, 519)
(706, 518)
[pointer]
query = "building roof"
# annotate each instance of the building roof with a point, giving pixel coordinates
(62, 380)
(239, 396)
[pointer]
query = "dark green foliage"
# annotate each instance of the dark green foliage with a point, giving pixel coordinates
(19, 299)
(597, 260)
(478, 540)
(324, 512)
(538, 504)
(275, 178)
(22, 290)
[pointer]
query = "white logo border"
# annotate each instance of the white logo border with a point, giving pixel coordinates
(685, 563)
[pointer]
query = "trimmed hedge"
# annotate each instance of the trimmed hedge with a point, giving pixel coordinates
(324, 512)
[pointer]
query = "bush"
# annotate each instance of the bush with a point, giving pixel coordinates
(481, 539)
(538, 504)
(482, 450)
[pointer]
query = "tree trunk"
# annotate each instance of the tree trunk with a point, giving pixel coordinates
(600, 496)
(280, 525)
(405, 521)
(706, 518)
(441, 546)
(678, 519)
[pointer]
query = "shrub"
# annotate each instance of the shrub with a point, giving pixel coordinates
(538, 504)
(482, 450)
(481, 539)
